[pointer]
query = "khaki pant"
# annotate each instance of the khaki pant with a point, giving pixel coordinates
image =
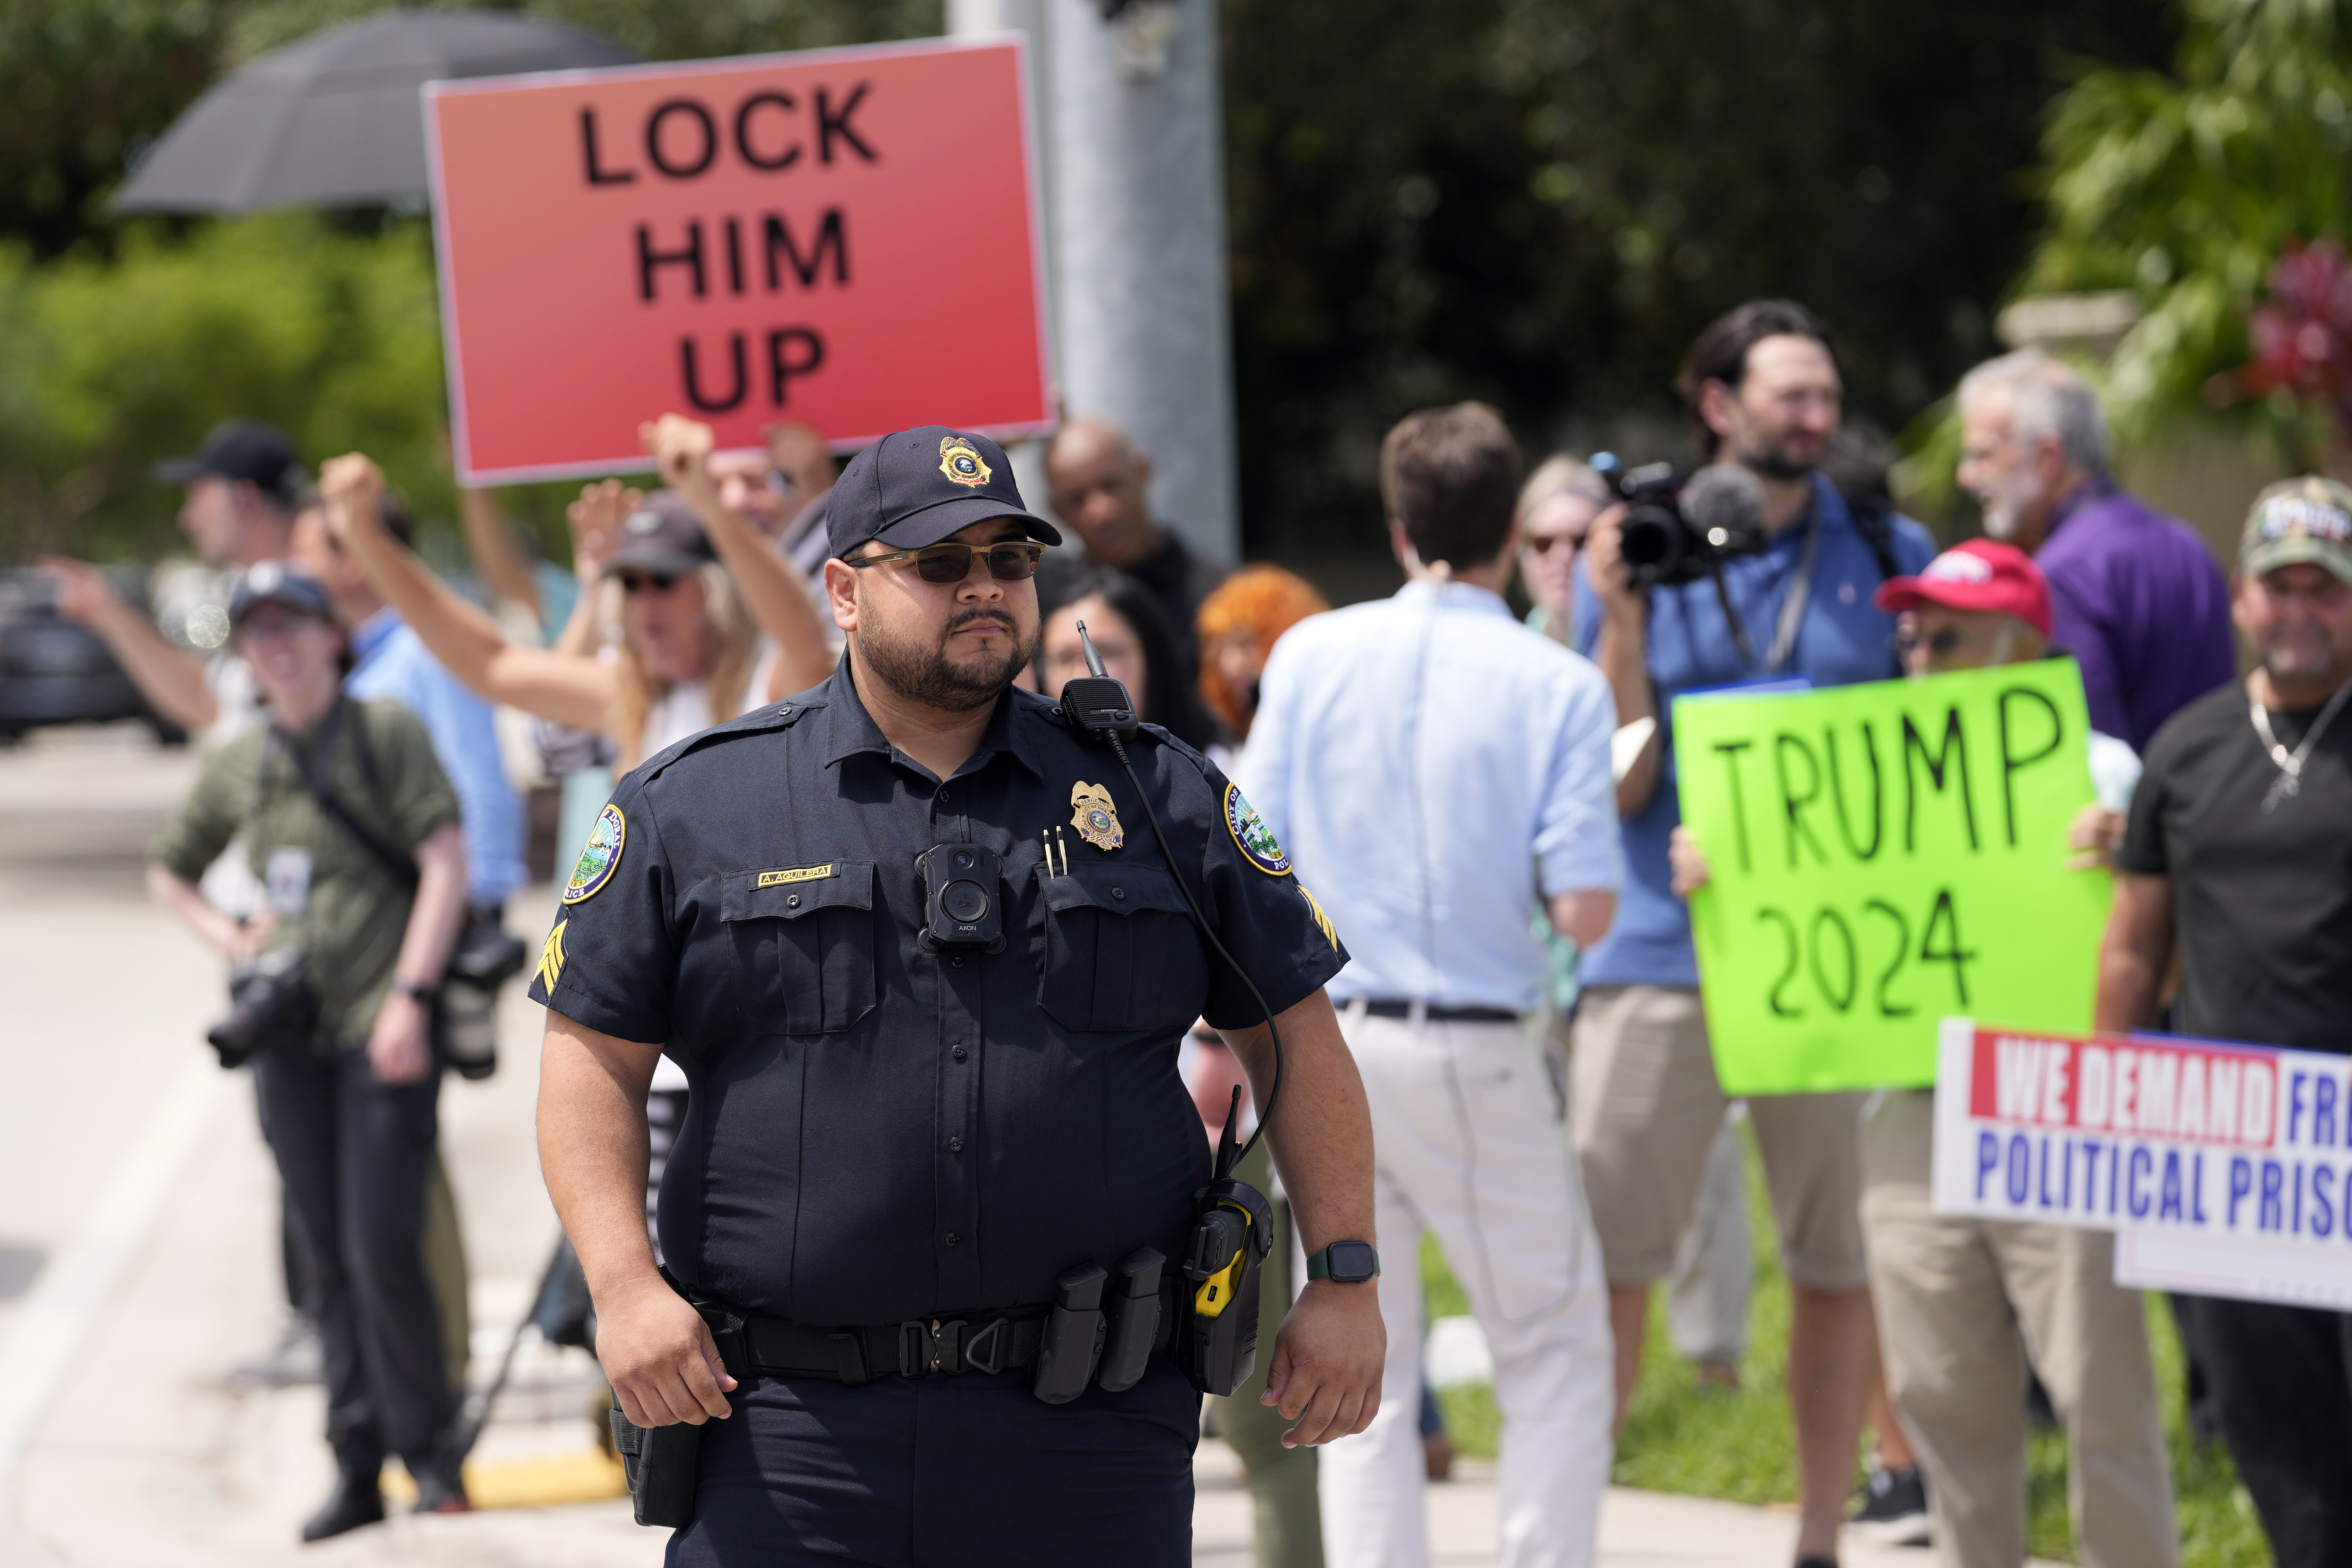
(1644, 1112)
(1962, 1303)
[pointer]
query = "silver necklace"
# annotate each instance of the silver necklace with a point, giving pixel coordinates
(2289, 783)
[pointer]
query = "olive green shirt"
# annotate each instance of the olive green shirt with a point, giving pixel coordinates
(336, 901)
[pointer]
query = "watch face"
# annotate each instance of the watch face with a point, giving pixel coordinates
(1352, 1262)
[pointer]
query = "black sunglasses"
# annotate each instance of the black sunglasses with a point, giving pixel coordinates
(1012, 561)
(638, 582)
(1541, 544)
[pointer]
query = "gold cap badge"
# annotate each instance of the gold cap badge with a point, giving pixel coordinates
(959, 462)
(1097, 820)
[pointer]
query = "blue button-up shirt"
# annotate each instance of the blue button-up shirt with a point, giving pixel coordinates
(1432, 766)
(1842, 638)
(391, 664)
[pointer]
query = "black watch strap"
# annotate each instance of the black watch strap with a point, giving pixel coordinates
(1355, 1262)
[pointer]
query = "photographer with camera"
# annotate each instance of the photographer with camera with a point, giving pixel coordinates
(353, 828)
(1768, 575)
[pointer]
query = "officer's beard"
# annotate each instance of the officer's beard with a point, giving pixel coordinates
(921, 672)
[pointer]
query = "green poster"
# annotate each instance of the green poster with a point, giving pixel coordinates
(1883, 856)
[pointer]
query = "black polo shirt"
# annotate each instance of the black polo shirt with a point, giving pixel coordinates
(2262, 900)
(878, 1133)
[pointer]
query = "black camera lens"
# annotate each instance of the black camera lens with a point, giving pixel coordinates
(964, 902)
(964, 859)
(1653, 540)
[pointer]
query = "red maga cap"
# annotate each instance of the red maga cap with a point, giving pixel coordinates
(1981, 575)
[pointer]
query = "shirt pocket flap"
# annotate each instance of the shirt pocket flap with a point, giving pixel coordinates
(790, 892)
(1115, 890)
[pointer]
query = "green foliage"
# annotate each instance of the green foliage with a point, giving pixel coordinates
(1541, 201)
(654, 32)
(1681, 1436)
(111, 364)
(2184, 186)
(88, 81)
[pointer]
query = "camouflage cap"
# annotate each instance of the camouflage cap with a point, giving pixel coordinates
(2305, 519)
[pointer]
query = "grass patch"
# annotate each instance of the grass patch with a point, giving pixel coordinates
(1741, 1447)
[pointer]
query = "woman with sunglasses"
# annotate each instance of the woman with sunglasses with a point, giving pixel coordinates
(1557, 506)
(688, 583)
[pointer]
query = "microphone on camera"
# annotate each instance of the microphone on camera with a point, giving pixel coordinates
(1723, 504)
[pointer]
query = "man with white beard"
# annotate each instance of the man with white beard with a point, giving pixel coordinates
(2135, 596)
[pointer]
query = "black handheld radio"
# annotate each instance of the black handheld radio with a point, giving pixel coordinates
(1232, 1224)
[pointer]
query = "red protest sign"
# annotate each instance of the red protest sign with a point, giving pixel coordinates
(844, 237)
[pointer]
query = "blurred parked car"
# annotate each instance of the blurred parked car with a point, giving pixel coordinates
(53, 671)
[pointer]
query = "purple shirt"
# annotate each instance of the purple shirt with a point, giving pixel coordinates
(2142, 606)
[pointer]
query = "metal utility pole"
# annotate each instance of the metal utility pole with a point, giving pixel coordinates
(1130, 119)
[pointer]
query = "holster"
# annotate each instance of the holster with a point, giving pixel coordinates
(661, 1464)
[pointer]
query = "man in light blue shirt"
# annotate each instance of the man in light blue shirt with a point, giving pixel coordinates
(390, 663)
(1435, 769)
(1644, 1102)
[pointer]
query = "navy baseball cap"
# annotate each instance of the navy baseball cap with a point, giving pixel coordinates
(918, 486)
(275, 582)
(662, 536)
(241, 449)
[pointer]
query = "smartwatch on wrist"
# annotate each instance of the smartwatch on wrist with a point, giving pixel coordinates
(425, 995)
(1345, 1263)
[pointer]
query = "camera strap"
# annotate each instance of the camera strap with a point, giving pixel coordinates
(1799, 594)
(400, 867)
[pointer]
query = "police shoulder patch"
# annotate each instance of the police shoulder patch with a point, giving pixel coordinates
(600, 858)
(1252, 837)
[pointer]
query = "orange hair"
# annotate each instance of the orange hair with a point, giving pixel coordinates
(1265, 602)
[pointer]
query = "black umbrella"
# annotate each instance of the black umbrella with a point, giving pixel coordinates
(335, 120)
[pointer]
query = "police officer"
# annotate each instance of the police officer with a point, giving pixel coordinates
(898, 1140)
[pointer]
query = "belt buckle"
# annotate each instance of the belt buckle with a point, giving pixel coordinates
(934, 1346)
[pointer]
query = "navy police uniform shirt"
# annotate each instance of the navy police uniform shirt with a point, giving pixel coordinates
(876, 1132)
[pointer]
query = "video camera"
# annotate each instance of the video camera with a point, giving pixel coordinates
(1681, 531)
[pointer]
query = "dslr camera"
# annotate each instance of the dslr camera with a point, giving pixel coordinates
(271, 1007)
(1680, 530)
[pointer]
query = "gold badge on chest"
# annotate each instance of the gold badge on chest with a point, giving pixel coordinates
(1094, 818)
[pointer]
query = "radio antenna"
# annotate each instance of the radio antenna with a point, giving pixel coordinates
(1093, 659)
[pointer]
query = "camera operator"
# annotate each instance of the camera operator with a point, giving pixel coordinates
(1644, 1102)
(353, 828)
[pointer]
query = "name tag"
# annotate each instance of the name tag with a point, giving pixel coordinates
(798, 873)
(286, 876)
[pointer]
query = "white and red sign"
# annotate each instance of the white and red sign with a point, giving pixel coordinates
(844, 237)
(2168, 1137)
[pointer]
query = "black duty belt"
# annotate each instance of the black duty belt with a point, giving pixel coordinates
(998, 1341)
(1442, 1015)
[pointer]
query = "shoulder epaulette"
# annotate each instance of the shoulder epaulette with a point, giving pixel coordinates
(1181, 747)
(760, 720)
